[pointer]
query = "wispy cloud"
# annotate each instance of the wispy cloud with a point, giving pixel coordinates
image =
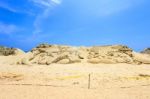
(8, 28)
(7, 7)
(16, 9)
(46, 6)
(46, 3)
(56, 1)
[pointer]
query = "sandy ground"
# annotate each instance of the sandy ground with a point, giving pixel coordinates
(57, 81)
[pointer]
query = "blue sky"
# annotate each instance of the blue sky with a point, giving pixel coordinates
(26, 23)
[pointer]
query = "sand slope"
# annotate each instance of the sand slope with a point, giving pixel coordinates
(70, 81)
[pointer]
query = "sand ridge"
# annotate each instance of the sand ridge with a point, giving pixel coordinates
(46, 54)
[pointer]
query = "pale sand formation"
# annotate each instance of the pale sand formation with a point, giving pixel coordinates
(146, 51)
(45, 54)
(62, 72)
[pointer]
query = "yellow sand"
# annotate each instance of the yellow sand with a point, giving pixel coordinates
(60, 81)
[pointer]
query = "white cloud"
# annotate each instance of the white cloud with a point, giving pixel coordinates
(8, 28)
(42, 3)
(5, 6)
(18, 9)
(46, 3)
(46, 7)
(56, 1)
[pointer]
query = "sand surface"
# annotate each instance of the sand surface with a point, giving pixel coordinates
(57, 81)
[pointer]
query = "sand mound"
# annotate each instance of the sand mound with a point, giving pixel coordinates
(146, 51)
(110, 54)
(141, 58)
(48, 54)
(45, 54)
(5, 51)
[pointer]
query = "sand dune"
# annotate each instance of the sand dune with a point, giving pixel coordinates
(116, 72)
(45, 54)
